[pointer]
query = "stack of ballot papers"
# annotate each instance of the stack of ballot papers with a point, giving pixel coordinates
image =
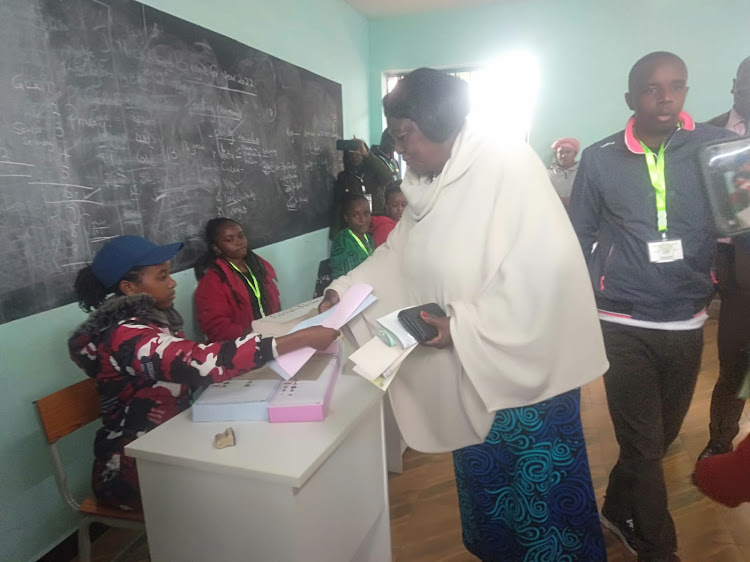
(352, 303)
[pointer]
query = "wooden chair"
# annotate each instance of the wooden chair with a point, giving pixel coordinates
(61, 413)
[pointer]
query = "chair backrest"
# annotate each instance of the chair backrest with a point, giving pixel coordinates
(324, 278)
(64, 411)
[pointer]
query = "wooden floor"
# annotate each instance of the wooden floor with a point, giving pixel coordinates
(425, 522)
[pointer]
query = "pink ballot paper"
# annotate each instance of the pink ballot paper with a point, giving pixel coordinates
(352, 303)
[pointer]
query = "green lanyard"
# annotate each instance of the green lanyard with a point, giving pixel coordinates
(254, 287)
(655, 164)
(361, 245)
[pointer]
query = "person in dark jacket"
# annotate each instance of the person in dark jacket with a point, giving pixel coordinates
(364, 173)
(385, 151)
(637, 195)
(736, 119)
(133, 345)
(733, 275)
(235, 285)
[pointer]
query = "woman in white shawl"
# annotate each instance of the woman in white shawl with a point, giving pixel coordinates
(485, 237)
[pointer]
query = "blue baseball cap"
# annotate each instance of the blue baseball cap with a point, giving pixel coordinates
(121, 254)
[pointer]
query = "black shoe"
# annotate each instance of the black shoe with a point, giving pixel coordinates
(623, 528)
(714, 449)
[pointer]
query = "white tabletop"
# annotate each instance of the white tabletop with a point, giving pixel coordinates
(283, 453)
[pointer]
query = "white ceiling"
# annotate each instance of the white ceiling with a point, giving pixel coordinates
(384, 8)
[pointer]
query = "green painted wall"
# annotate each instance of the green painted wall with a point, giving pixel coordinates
(585, 50)
(327, 37)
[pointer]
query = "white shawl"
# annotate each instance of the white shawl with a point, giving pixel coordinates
(489, 241)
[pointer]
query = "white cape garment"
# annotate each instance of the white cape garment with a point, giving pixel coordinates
(490, 242)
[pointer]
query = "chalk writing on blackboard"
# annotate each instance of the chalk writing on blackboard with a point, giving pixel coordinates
(120, 119)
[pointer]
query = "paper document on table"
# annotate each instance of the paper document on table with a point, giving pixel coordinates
(356, 299)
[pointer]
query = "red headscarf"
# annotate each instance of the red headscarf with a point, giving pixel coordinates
(567, 141)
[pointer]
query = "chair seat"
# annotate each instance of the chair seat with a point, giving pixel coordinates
(91, 507)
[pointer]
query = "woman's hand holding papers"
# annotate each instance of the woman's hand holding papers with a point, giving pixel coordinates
(329, 301)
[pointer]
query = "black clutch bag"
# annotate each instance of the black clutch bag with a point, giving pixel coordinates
(411, 319)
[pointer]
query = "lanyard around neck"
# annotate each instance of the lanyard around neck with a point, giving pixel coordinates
(361, 245)
(655, 164)
(254, 286)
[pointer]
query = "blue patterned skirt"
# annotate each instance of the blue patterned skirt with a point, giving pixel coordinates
(525, 494)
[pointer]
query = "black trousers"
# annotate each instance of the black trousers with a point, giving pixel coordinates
(734, 336)
(649, 386)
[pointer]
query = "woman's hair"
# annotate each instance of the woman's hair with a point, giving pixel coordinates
(352, 198)
(437, 102)
(208, 260)
(90, 293)
(391, 188)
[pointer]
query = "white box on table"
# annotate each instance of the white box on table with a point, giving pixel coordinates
(235, 400)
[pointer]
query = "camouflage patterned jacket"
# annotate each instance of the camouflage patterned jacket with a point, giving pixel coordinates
(146, 375)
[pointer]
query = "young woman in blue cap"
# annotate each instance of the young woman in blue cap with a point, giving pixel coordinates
(133, 344)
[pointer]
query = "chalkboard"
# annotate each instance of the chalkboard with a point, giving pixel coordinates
(116, 118)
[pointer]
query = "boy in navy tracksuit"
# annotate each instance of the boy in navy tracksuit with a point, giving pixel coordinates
(638, 196)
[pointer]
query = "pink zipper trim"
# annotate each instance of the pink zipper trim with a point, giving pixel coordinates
(686, 122)
(614, 314)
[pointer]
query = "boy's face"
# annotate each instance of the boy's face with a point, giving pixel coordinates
(659, 95)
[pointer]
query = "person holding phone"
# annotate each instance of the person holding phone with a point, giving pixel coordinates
(485, 238)
(364, 173)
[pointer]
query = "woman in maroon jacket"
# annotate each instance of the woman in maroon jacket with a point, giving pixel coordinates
(235, 286)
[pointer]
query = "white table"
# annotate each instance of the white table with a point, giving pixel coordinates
(312, 491)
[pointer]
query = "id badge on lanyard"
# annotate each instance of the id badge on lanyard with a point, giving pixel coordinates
(664, 250)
